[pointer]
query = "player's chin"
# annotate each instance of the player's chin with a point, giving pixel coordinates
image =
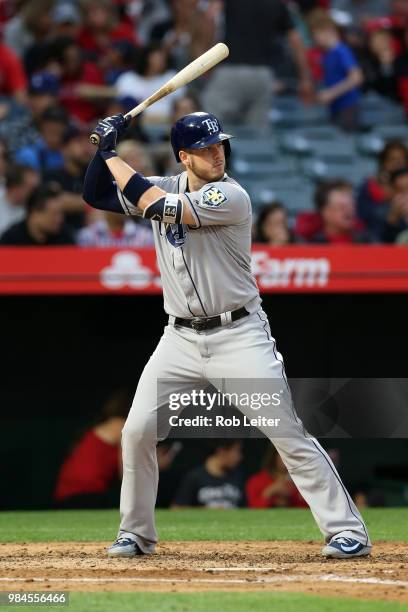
(218, 172)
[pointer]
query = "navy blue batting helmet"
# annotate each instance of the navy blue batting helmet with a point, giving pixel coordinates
(196, 131)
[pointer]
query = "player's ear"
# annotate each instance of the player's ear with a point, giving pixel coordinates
(185, 158)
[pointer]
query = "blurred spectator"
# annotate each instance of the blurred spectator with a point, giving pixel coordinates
(378, 63)
(240, 89)
(115, 230)
(76, 152)
(401, 72)
(169, 474)
(20, 182)
(272, 226)
(187, 104)
(66, 19)
(366, 497)
(336, 206)
(166, 452)
(153, 13)
(374, 194)
(82, 81)
(32, 24)
(8, 9)
(272, 487)
(151, 73)
(102, 27)
(13, 81)
(217, 483)
(119, 58)
(44, 221)
(361, 11)
(136, 156)
(65, 22)
(44, 90)
(4, 160)
(342, 76)
(93, 467)
(399, 9)
(402, 238)
(19, 126)
(190, 30)
(45, 154)
(397, 218)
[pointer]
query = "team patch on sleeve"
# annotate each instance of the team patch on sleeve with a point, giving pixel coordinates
(213, 197)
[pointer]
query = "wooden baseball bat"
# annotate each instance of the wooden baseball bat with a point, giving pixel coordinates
(192, 71)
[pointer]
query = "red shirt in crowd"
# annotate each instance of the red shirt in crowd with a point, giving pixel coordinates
(258, 483)
(376, 191)
(403, 91)
(90, 42)
(90, 468)
(75, 105)
(12, 75)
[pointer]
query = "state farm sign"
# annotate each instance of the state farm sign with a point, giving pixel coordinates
(290, 271)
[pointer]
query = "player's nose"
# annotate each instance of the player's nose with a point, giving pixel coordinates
(218, 152)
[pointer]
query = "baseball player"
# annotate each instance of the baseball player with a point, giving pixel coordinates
(216, 330)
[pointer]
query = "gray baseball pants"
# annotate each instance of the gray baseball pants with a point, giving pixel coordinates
(241, 350)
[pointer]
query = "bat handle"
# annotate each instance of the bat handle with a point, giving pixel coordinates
(94, 138)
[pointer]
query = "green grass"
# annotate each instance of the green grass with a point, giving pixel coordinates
(227, 602)
(101, 525)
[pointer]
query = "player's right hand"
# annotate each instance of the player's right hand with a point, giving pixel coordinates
(119, 122)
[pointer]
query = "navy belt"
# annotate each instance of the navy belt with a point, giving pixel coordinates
(204, 323)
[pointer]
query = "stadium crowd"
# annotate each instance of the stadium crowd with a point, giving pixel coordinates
(66, 63)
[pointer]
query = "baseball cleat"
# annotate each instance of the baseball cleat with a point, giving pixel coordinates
(345, 548)
(124, 547)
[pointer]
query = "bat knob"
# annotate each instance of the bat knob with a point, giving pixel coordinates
(94, 138)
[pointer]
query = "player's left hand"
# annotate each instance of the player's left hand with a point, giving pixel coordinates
(107, 136)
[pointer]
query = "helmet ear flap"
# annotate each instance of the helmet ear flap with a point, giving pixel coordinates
(227, 148)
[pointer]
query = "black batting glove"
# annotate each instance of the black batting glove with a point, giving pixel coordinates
(107, 139)
(119, 122)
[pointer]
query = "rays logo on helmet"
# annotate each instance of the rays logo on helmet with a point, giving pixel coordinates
(212, 126)
(214, 197)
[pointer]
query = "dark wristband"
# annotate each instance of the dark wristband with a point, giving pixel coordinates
(135, 187)
(108, 154)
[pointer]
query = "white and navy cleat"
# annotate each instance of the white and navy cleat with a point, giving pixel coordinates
(345, 548)
(124, 547)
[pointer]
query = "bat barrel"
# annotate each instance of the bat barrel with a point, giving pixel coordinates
(195, 69)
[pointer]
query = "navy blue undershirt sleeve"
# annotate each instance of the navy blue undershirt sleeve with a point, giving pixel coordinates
(99, 189)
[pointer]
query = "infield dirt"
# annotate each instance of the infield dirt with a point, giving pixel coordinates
(203, 566)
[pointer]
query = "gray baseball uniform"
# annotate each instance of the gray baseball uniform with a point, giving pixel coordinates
(206, 271)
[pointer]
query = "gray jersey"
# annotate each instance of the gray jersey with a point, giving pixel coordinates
(206, 270)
